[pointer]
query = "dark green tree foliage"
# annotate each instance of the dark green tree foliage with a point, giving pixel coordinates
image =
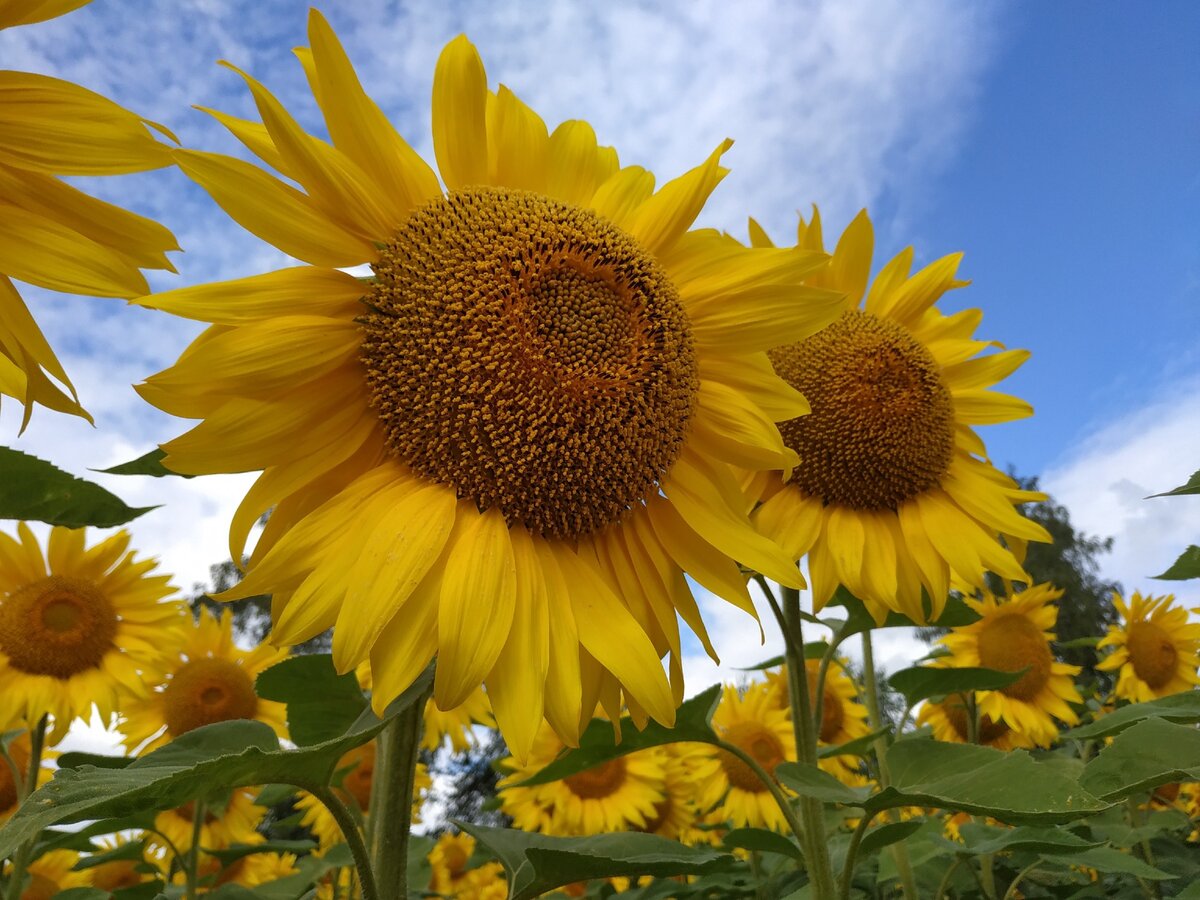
(469, 780)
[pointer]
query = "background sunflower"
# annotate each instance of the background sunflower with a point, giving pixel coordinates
(1156, 649)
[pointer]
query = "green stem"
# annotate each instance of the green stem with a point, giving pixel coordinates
(851, 852)
(972, 712)
(944, 884)
(37, 741)
(812, 812)
(1142, 849)
(354, 839)
(871, 694)
(191, 865)
(396, 755)
(765, 777)
(987, 875)
(1012, 888)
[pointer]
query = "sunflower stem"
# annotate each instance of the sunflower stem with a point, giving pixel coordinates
(772, 785)
(851, 852)
(37, 740)
(191, 862)
(391, 807)
(1012, 888)
(354, 839)
(871, 694)
(1142, 849)
(944, 884)
(812, 812)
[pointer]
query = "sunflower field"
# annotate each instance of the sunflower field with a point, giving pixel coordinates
(509, 410)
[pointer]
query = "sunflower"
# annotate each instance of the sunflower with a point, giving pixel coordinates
(1156, 652)
(1014, 634)
(357, 768)
(120, 873)
(454, 725)
(250, 870)
(843, 718)
(19, 750)
(618, 795)
(948, 719)
(679, 814)
(453, 876)
(230, 821)
(544, 384)
(53, 235)
(52, 872)
(894, 492)
(762, 729)
(209, 680)
(78, 626)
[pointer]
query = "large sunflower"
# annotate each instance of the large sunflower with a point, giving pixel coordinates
(894, 492)
(543, 385)
(78, 626)
(53, 235)
(754, 722)
(210, 679)
(1013, 634)
(1156, 650)
(619, 795)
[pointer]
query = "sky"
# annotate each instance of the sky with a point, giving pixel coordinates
(1055, 144)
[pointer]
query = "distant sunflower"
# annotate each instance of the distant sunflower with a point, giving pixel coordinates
(78, 626)
(894, 492)
(454, 725)
(209, 680)
(843, 718)
(479, 452)
(679, 813)
(1156, 650)
(51, 873)
(619, 795)
(231, 821)
(356, 770)
(948, 719)
(120, 873)
(453, 875)
(54, 235)
(1014, 634)
(19, 750)
(758, 726)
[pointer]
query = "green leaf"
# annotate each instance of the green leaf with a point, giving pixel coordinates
(597, 744)
(203, 762)
(859, 620)
(922, 682)
(80, 839)
(1183, 707)
(82, 893)
(885, 835)
(537, 863)
(1192, 487)
(73, 759)
(1150, 753)
(321, 704)
(235, 852)
(1109, 860)
(860, 746)
(1187, 566)
(1079, 643)
(34, 490)
(981, 839)
(1010, 786)
(762, 840)
(149, 464)
(810, 781)
(134, 850)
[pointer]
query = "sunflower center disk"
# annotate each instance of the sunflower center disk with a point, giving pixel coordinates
(989, 730)
(1152, 653)
(1012, 643)
(599, 781)
(57, 626)
(761, 744)
(205, 691)
(881, 429)
(530, 355)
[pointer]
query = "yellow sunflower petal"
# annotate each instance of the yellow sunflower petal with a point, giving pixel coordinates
(460, 115)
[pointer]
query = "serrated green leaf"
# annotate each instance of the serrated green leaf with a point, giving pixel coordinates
(1187, 566)
(922, 682)
(321, 704)
(1191, 487)
(1107, 859)
(148, 464)
(1183, 707)
(981, 839)
(810, 781)
(597, 744)
(1011, 787)
(885, 835)
(35, 490)
(860, 746)
(1142, 757)
(762, 840)
(537, 863)
(202, 762)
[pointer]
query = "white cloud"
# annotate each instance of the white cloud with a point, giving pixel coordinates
(1104, 482)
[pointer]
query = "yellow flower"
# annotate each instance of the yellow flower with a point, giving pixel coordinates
(1014, 634)
(1156, 651)
(455, 724)
(483, 451)
(235, 821)
(679, 813)
(618, 795)
(843, 718)
(19, 750)
(358, 769)
(258, 868)
(78, 626)
(209, 680)
(948, 720)
(51, 873)
(119, 873)
(450, 860)
(54, 235)
(756, 724)
(894, 492)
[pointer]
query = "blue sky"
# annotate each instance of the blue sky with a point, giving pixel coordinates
(1056, 144)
